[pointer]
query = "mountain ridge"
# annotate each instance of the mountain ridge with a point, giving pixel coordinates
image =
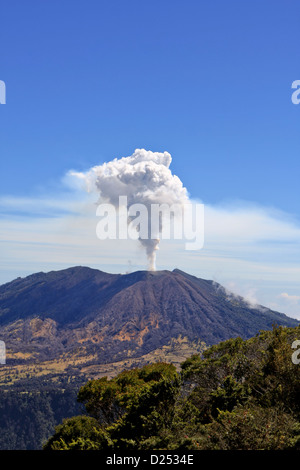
(82, 323)
(79, 295)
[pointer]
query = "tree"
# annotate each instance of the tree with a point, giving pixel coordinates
(125, 411)
(79, 433)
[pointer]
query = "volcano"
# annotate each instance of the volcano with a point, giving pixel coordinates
(113, 316)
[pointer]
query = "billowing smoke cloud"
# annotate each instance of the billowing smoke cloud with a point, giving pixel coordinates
(144, 178)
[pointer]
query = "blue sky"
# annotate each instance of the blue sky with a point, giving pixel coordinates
(208, 82)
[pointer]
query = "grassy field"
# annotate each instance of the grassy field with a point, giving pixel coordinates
(84, 366)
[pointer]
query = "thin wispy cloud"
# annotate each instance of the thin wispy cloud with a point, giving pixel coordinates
(244, 245)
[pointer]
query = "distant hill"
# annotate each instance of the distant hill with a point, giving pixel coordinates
(112, 316)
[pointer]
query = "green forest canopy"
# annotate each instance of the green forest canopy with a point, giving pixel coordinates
(238, 395)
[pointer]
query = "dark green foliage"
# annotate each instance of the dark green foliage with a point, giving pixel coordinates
(28, 419)
(252, 427)
(79, 433)
(227, 396)
(135, 405)
(239, 395)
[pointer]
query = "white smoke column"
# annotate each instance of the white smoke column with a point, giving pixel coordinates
(144, 178)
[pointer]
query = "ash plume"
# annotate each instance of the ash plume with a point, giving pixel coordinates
(144, 178)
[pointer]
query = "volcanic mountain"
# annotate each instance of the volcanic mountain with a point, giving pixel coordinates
(110, 317)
